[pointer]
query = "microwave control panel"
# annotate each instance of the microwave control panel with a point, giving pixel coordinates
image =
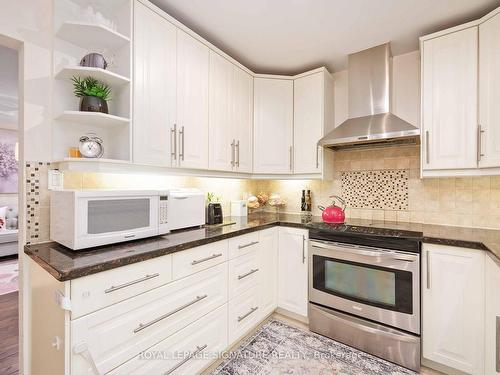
(163, 209)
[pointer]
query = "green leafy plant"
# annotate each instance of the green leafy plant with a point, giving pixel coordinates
(90, 86)
(212, 198)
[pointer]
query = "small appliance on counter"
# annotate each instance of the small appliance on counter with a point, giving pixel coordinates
(80, 219)
(214, 214)
(333, 214)
(239, 208)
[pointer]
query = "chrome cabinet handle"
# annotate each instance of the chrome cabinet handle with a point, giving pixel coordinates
(194, 262)
(252, 310)
(427, 148)
(173, 138)
(238, 153)
(190, 356)
(428, 270)
(247, 274)
(317, 156)
(248, 244)
(181, 137)
(160, 318)
(142, 279)
(232, 152)
(303, 249)
(291, 158)
(480, 132)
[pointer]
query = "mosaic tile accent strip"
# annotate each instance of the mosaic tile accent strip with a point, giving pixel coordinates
(278, 348)
(385, 189)
(37, 202)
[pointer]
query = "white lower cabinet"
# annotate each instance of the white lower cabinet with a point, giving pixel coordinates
(243, 273)
(292, 270)
(453, 307)
(268, 271)
(189, 351)
(121, 331)
(243, 314)
(492, 318)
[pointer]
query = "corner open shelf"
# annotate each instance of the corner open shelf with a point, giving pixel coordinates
(93, 118)
(102, 75)
(88, 36)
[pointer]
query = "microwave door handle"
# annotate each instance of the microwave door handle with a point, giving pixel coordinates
(180, 197)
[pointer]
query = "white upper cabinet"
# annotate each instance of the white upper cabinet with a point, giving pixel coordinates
(242, 120)
(453, 307)
(313, 117)
(449, 104)
(230, 121)
(221, 140)
(192, 102)
(273, 126)
(489, 92)
(154, 87)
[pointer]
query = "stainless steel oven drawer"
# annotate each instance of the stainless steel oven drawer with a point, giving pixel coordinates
(384, 342)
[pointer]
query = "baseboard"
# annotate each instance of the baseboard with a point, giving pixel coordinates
(441, 368)
(292, 315)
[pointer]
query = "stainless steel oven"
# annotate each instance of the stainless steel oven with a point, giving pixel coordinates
(367, 297)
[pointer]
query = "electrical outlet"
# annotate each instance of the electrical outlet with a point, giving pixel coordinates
(55, 179)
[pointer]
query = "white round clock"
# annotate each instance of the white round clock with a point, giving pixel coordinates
(91, 146)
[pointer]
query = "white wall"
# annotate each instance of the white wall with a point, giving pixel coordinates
(27, 25)
(405, 101)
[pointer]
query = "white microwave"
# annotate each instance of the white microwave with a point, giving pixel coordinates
(81, 219)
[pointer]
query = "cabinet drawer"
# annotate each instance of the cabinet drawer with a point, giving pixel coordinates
(93, 292)
(119, 332)
(243, 273)
(243, 244)
(185, 263)
(189, 351)
(243, 314)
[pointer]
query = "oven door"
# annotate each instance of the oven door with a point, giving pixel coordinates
(373, 283)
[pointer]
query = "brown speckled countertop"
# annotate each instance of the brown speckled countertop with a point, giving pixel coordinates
(65, 264)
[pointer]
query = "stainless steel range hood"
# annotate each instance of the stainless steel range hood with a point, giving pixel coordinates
(370, 121)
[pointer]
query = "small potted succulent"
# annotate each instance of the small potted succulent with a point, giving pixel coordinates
(93, 94)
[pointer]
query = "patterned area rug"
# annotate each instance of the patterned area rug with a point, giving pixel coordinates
(9, 275)
(278, 348)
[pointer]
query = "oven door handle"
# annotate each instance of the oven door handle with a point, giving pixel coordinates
(360, 251)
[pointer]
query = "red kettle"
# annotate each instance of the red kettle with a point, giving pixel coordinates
(333, 214)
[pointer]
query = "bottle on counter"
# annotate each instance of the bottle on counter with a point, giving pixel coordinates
(308, 201)
(303, 201)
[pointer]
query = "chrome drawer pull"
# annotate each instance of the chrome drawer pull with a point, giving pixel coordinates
(252, 310)
(193, 354)
(247, 274)
(195, 262)
(248, 244)
(118, 287)
(146, 325)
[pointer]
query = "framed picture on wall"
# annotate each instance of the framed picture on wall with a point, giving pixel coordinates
(8, 161)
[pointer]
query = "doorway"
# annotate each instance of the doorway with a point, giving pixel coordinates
(10, 171)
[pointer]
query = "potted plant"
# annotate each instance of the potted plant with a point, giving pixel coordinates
(93, 94)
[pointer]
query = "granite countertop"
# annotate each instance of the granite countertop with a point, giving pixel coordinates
(65, 264)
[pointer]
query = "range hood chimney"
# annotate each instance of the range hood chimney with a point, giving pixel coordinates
(370, 121)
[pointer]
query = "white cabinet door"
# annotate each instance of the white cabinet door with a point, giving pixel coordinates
(453, 307)
(273, 126)
(449, 99)
(221, 140)
(292, 270)
(154, 87)
(308, 122)
(489, 92)
(492, 318)
(268, 270)
(242, 119)
(192, 102)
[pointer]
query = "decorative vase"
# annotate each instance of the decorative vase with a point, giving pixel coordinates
(94, 60)
(93, 104)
